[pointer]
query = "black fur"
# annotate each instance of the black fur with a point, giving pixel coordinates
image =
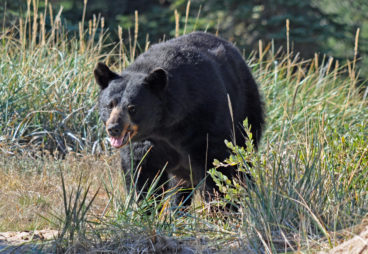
(179, 89)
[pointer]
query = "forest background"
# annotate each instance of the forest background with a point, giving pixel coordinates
(325, 26)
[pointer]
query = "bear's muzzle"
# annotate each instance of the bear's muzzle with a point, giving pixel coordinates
(120, 133)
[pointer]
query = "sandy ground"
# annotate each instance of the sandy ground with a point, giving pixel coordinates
(29, 242)
(358, 244)
(25, 242)
(34, 243)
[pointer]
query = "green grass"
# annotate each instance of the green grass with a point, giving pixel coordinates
(310, 171)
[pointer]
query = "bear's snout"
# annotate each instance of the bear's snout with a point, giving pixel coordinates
(114, 129)
(114, 125)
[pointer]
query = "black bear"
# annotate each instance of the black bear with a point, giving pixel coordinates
(181, 98)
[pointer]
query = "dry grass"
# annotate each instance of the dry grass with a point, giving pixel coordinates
(32, 187)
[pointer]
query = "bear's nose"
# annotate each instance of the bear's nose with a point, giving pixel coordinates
(114, 129)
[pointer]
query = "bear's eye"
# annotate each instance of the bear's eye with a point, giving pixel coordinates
(112, 104)
(131, 109)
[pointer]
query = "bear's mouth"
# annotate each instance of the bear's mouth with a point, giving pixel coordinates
(126, 136)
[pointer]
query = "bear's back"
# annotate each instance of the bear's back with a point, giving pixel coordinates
(192, 48)
(204, 69)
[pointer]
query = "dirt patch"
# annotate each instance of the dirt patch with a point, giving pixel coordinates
(40, 241)
(26, 242)
(356, 245)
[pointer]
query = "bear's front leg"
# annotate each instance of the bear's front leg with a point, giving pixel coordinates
(142, 164)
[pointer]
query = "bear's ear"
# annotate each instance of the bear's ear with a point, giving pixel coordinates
(156, 80)
(104, 75)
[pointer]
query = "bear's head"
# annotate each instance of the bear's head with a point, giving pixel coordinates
(130, 104)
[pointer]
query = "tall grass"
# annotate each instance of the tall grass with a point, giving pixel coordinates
(48, 96)
(310, 171)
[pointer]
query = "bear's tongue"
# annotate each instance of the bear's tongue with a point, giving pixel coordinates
(116, 142)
